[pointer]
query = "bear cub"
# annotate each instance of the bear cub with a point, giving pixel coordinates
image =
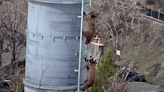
(90, 32)
(91, 67)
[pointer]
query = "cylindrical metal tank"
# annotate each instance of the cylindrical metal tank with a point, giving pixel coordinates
(53, 36)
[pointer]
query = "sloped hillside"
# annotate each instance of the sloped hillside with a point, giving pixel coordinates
(122, 26)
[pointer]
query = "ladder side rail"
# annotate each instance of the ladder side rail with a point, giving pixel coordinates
(80, 47)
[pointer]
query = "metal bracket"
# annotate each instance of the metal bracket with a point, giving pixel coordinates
(77, 37)
(42, 37)
(33, 35)
(64, 37)
(76, 54)
(86, 15)
(76, 70)
(53, 38)
(78, 16)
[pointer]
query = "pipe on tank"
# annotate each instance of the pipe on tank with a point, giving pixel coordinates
(81, 29)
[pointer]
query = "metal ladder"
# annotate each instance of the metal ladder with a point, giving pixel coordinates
(80, 47)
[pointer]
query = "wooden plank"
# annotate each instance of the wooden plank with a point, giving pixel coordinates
(97, 44)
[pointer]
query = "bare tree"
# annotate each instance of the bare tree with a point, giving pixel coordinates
(13, 16)
(116, 17)
(2, 49)
(12, 27)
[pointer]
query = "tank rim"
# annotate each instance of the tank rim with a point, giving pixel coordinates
(60, 1)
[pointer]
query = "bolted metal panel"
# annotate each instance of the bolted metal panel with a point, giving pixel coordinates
(53, 46)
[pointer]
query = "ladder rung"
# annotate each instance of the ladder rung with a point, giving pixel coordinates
(79, 16)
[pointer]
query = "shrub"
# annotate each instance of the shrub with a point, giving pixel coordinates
(105, 69)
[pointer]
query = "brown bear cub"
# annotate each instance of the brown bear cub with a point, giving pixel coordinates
(90, 32)
(91, 66)
(89, 61)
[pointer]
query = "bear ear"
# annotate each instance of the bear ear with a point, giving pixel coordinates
(92, 14)
(94, 62)
(85, 59)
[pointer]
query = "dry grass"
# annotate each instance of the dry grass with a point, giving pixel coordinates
(114, 84)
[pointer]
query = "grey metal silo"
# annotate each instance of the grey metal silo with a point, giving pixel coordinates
(52, 50)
